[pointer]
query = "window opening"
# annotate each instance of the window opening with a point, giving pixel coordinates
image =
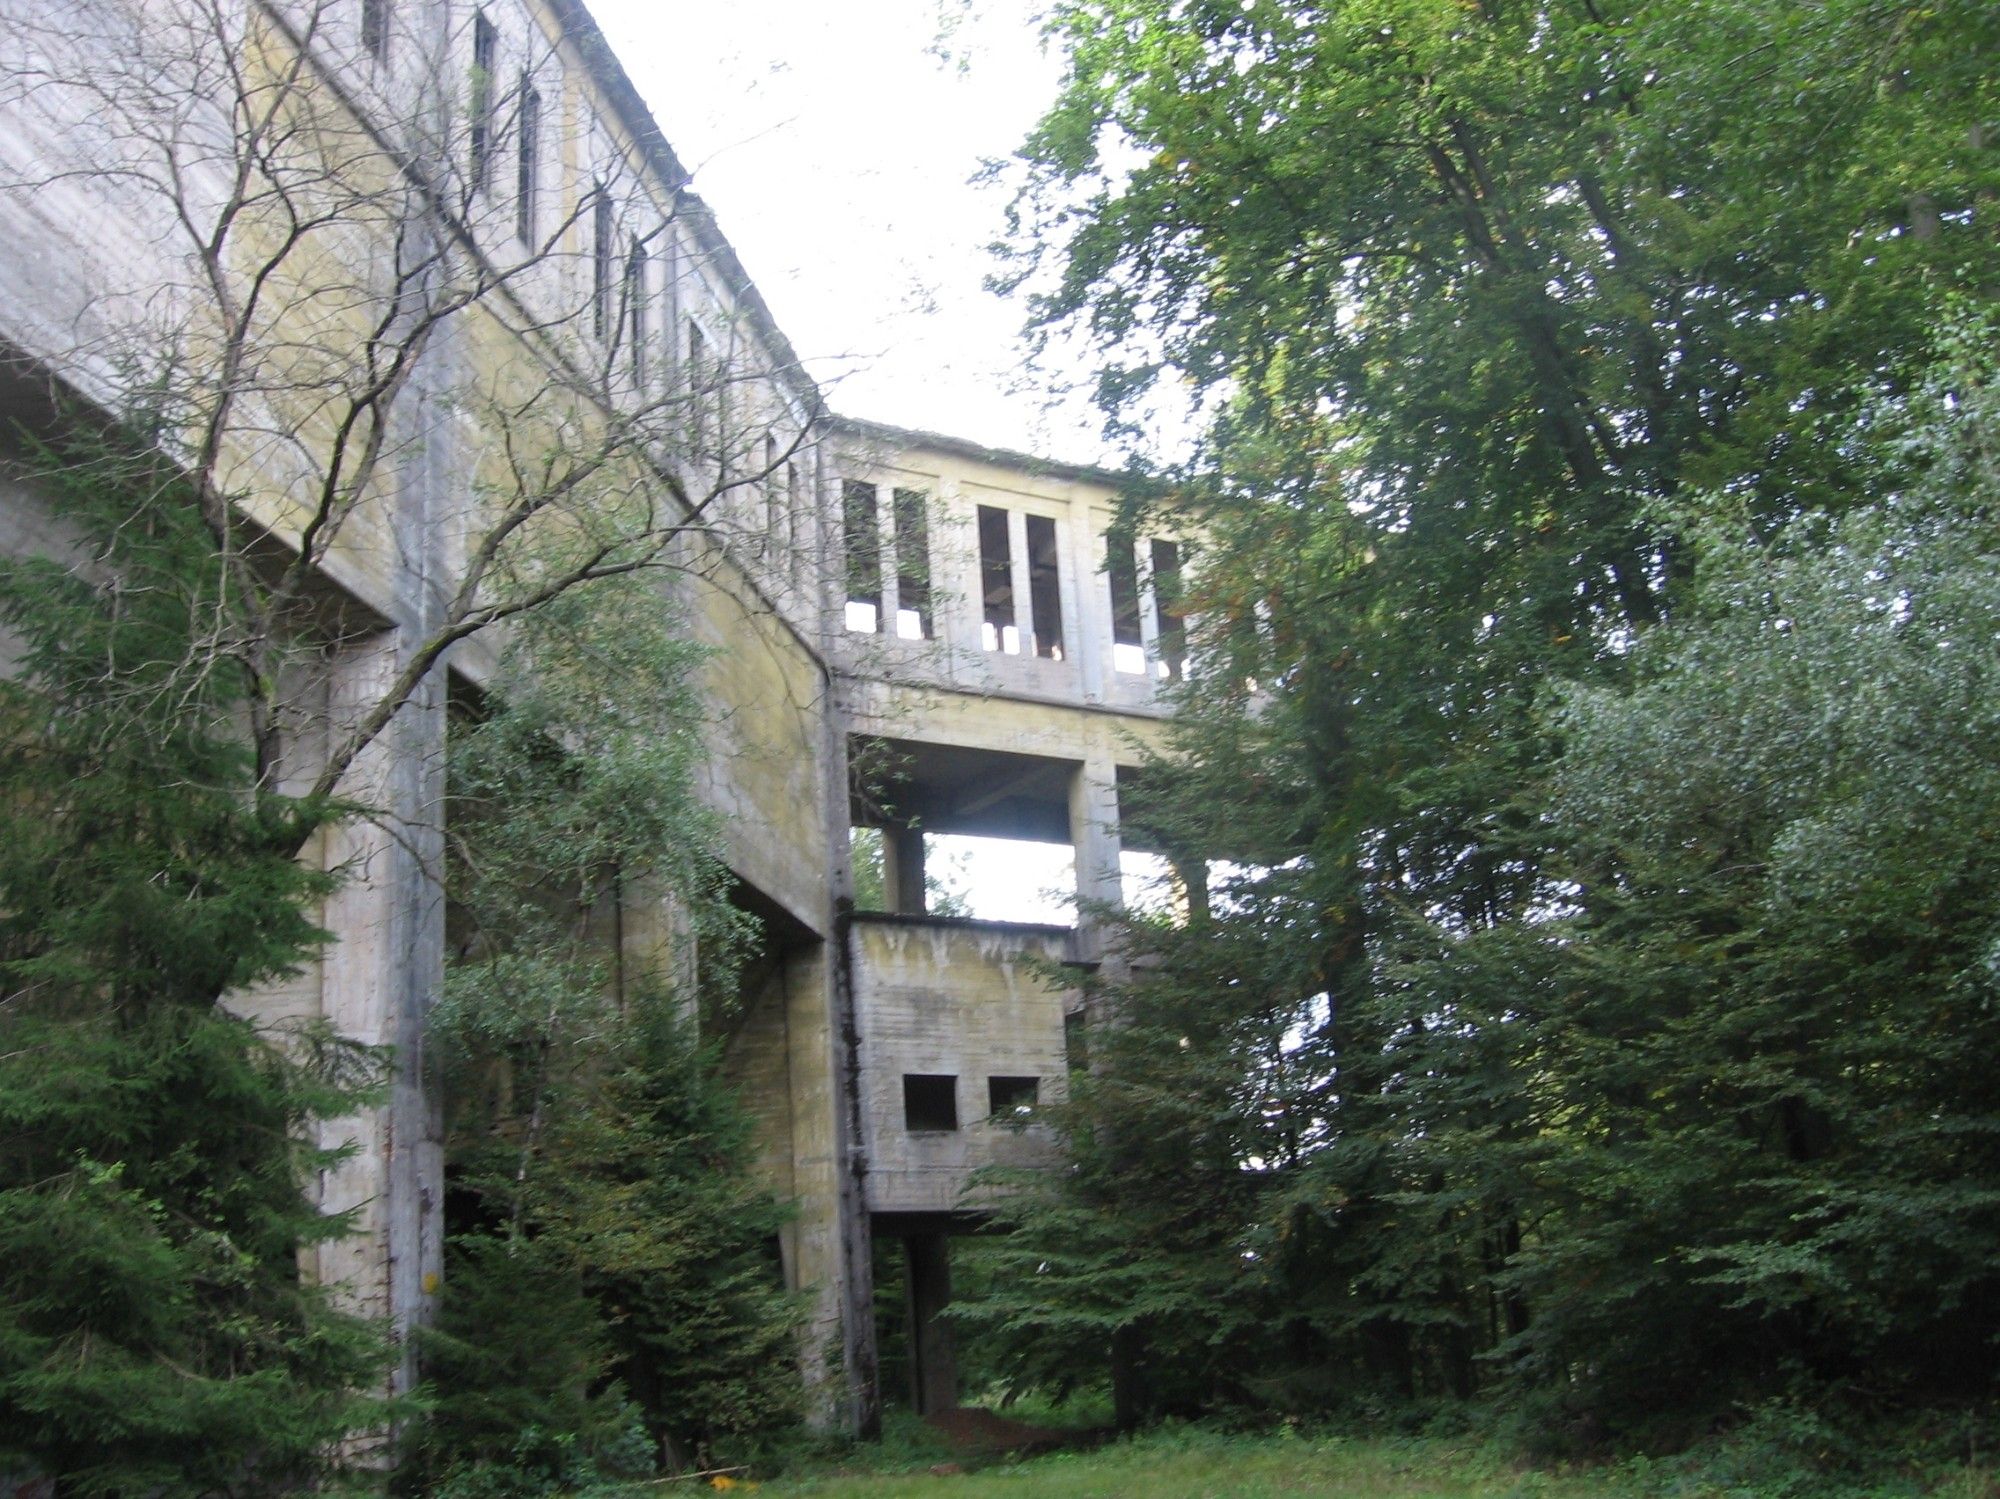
(774, 497)
(862, 528)
(913, 564)
(528, 169)
(930, 1101)
(698, 375)
(485, 53)
(1076, 1041)
(375, 29)
(600, 263)
(1012, 1097)
(1000, 630)
(795, 523)
(1044, 596)
(1128, 650)
(1172, 665)
(635, 309)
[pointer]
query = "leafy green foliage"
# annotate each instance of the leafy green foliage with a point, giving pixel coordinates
(612, 1267)
(154, 1333)
(1595, 730)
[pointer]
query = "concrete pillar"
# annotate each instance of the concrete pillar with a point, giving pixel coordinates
(1190, 887)
(1093, 607)
(654, 944)
(818, 1249)
(1093, 830)
(903, 869)
(1017, 556)
(933, 1347)
(378, 981)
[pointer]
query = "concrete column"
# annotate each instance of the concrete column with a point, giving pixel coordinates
(887, 543)
(378, 981)
(1093, 606)
(903, 869)
(654, 943)
(1190, 887)
(1093, 829)
(1149, 606)
(1017, 557)
(933, 1347)
(834, 1238)
(819, 1253)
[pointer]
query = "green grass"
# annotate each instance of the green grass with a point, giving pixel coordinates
(1192, 1463)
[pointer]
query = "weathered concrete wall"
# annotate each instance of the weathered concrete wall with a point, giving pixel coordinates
(958, 998)
(97, 280)
(91, 278)
(961, 654)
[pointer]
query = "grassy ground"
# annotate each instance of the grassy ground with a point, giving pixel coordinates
(1195, 1464)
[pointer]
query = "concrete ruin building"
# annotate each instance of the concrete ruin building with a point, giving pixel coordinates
(498, 333)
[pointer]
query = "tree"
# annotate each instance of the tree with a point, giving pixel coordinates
(347, 329)
(610, 1265)
(407, 399)
(1493, 306)
(1787, 913)
(154, 1333)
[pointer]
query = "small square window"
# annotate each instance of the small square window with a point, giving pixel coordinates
(930, 1101)
(1012, 1097)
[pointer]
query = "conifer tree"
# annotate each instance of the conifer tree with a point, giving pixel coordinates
(612, 1296)
(1524, 331)
(155, 1334)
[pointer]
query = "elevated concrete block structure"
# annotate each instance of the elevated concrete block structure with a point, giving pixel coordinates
(910, 632)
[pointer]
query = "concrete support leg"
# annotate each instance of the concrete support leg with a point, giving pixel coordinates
(903, 870)
(933, 1348)
(829, 1240)
(647, 929)
(377, 983)
(1093, 829)
(1190, 888)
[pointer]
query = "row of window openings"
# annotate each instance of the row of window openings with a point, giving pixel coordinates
(930, 1100)
(874, 554)
(606, 315)
(375, 28)
(485, 141)
(1000, 622)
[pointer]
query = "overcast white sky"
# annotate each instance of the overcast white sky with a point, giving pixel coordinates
(836, 142)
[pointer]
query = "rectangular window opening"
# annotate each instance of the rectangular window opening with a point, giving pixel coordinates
(774, 497)
(795, 522)
(375, 29)
(635, 310)
(699, 374)
(600, 262)
(1000, 629)
(1172, 665)
(1012, 1097)
(913, 564)
(528, 168)
(930, 1102)
(1076, 1041)
(485, 54)
(1128, 649)
(862, 528)
(1044, 593)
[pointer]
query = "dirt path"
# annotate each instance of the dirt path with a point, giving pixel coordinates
(981, 1433)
